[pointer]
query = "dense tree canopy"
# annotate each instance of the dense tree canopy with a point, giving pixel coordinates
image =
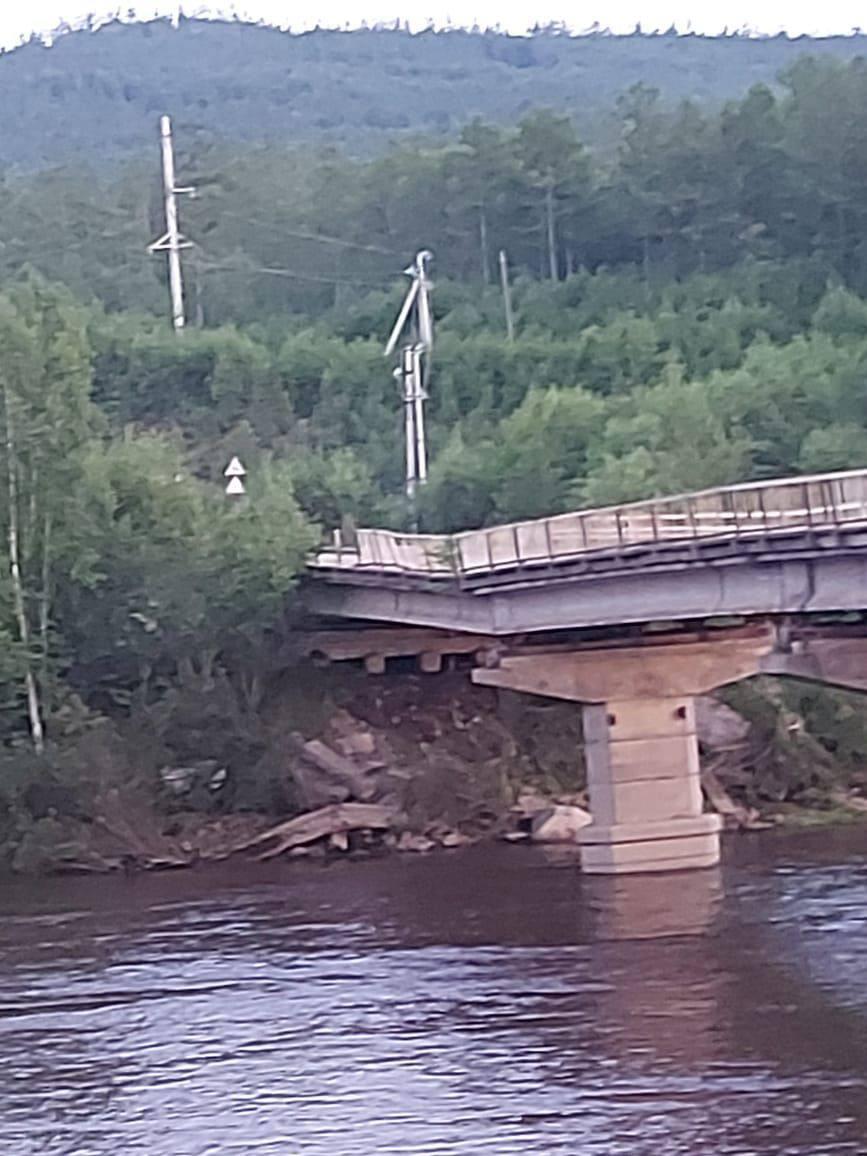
(99, 93)
(776, 176)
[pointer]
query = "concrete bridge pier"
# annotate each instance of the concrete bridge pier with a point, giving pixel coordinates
(641, 747)
(645, 788)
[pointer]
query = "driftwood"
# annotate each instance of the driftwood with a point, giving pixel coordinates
(849, 800)
(733, 813)
(335, 820)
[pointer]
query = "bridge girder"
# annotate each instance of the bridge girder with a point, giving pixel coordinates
(743, 586)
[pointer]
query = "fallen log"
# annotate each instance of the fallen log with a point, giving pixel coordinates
(734, 814)
(719, 798)
(336, 819)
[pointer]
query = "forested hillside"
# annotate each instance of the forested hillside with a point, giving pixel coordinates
(691, 310)
(769, 177)
(96, 95)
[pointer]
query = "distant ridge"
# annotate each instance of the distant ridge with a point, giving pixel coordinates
(97, 95)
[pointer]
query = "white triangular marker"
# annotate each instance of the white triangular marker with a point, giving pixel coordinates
(234, 469)
(235, 486)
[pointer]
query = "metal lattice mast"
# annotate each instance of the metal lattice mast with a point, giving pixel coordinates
(414, 369)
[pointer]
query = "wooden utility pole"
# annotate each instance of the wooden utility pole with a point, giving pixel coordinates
(551, 233)
(507, 295)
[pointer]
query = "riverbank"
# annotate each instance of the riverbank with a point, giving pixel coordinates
(399, 763)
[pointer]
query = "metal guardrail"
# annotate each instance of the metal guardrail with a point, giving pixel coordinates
(749, 510)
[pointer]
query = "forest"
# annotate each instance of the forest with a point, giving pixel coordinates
(96, 90)
(691, 310)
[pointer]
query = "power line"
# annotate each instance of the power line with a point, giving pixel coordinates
(325, 238)
(292, 274)
(62, 246)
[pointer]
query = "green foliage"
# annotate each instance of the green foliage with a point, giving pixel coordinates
(46, 421)
(331, 487)
(524, 470)
(128, 561)
(458, 495)
(175, 566)
(841, 314)
(541, 448)
(667, 439)
(689, 301)
(657, 192)
(840, 446)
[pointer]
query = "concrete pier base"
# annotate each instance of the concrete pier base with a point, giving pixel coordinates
(645, 789)
(669, 845)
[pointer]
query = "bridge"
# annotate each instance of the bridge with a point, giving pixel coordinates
(631, 611)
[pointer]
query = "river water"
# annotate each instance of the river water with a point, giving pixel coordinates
(483, 1001)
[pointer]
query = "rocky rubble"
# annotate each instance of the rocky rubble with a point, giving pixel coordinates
(359, 766)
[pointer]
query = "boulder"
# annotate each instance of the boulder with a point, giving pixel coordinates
(360, 744)
(339, 841)
(718, 726)
(315, 790)
(559, 824)
(454, 839)
(409, 841)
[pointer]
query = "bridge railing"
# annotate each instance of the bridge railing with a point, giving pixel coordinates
(384, 550)
(750, 510)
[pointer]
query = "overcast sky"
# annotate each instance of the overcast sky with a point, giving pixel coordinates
(833, 16)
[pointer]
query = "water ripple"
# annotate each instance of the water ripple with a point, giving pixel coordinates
(366, 1011)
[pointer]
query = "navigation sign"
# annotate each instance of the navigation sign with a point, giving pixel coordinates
(234, 469)
(235, 472)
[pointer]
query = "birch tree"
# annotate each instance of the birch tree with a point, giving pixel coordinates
(45, 419)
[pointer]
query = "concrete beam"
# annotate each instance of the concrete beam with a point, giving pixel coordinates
(633, 672)
(837, 661)
(449, 610)
(393, 642)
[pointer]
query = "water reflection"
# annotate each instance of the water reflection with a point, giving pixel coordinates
(653, 906)
(491, 1001)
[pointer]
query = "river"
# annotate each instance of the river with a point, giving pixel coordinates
(482, 1001)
